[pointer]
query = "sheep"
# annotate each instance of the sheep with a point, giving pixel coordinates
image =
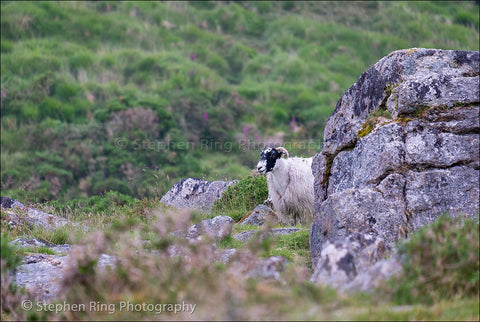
(290, 185)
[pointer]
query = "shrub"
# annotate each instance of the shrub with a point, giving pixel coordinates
(441, 261)
(242, 197)
(9, 255)
(81, 59)
(6, 46)
(11, 294)
(55, 109)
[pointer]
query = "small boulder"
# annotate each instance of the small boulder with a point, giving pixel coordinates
(33, 242)
(195, 193)
(41, 274)
(248, 234)
(247, 265)
(216, 228)
(260, 215)
(17, 214)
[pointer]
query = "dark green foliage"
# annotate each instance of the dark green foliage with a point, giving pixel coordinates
(80, 79)
(95, 204)
(441, 261)
(242, 197)
(8, 254)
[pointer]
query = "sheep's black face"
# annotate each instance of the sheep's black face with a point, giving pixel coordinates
(268, 158)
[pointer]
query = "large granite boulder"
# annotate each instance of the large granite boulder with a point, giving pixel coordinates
(400, 149)
(195, 193)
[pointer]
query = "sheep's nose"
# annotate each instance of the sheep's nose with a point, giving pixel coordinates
(261, 166)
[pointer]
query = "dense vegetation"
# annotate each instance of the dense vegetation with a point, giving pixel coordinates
(440, 279)
(130, 97)
(441, 262)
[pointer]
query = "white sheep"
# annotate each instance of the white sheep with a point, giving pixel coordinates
(290, 185)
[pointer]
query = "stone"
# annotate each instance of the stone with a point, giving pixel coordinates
(8, 203)
(248, 234)
(268, 268)
(400, 149)
(16, 214)
(433, 192)
(216, 228)
(33, 242)
(247, 265)
(224, 255)
(260, 215)
(357, 210)
(195, 193)
(342, 260)
(427, 146)
(374, 275)
(42, 274)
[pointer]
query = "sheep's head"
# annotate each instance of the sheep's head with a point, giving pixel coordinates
(269, 157)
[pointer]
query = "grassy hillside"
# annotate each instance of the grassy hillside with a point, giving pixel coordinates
(133, 96)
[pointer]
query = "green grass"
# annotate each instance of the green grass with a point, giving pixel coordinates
(35, 249)
(105, 105)
(294, 247)
(71, 72)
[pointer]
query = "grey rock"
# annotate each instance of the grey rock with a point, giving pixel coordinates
(216, 228)
(442, 78)
(285, 231)
(41, 275)
(374, 275)
(357, 210)
(224, 255)
(248, 234)
(268, 268)
(457, 120)
(8, 203)
(430, 147)
(336, 265)
(341, 261)
(33, 242)
(247, 265)
(17, 214)
(373, 157)
(411, 167)
(260, 215)
(432, 192)
(195, 193)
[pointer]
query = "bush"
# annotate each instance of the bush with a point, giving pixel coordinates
(242, 197)
(8, 254)
(80, 60)
(55, 109)
(441, 261)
